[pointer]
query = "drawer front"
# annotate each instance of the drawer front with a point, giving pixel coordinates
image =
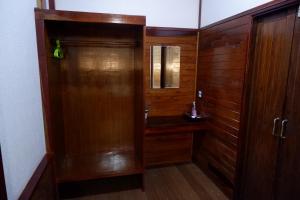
(168, 149)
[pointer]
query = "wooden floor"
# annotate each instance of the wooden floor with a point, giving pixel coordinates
(181, 182)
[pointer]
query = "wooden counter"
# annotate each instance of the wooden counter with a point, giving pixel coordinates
(169, 140)
(174, 124)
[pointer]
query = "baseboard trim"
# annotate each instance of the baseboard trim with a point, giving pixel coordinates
(36, 178)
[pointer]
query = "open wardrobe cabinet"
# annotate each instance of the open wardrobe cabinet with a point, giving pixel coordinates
(93, 94)
(108, 119)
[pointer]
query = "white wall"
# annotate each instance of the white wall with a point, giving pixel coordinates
(21, 120)
(216, 10)
(165, 13)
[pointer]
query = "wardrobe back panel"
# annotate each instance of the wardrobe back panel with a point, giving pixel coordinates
(93, 97)
(98, 99)
(222, 64)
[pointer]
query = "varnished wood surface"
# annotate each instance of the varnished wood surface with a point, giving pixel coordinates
(98, 102)
(182, 182)
(93, 97)
(56, 15)
(289, 164)
(164, 149)
(174, 124)
(168, 140)
(100, 165)
(222, 62)
(270, 65)
(172, 101)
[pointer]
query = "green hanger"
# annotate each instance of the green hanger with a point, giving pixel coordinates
(58, 53)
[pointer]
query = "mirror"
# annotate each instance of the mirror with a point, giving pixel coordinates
(165, 66)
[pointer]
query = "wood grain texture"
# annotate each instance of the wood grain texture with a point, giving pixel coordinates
(168, 149)
(288, 172)
(93, 98)
(55, 15)
(174, 124)
(270, 67)
(98, 165)
(168, 140)
(222, 63)
(172, 102)
(181, 182)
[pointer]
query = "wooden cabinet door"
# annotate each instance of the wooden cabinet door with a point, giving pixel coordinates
(270, 67)
(288, 186)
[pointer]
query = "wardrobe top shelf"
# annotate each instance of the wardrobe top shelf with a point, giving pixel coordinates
(88, 17)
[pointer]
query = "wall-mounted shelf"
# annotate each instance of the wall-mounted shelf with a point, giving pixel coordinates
(174, 124)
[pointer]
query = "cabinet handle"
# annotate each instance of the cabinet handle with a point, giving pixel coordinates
(283, 128)
(275, 125)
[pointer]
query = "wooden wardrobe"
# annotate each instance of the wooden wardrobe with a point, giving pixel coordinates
(93, 98)
(271, 167)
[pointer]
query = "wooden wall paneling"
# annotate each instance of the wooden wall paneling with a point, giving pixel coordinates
(289, 164)
(3, 194)
(270, 65)
(172, 102)
(222, 62)
(177, 145)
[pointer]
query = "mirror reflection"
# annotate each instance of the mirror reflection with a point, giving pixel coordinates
(165, 66)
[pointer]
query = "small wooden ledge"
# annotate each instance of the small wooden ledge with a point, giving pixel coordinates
(174, 124)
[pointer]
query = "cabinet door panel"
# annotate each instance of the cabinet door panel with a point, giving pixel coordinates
(271, 54)
(289, 162)
(168, 149)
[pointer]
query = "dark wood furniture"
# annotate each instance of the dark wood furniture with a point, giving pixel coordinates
(3, 194)
(271, 157)
(92, 98)
(222, 65)
(223, 76)
(169, 140)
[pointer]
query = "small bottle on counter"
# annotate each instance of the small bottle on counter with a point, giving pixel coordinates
(194, 111)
